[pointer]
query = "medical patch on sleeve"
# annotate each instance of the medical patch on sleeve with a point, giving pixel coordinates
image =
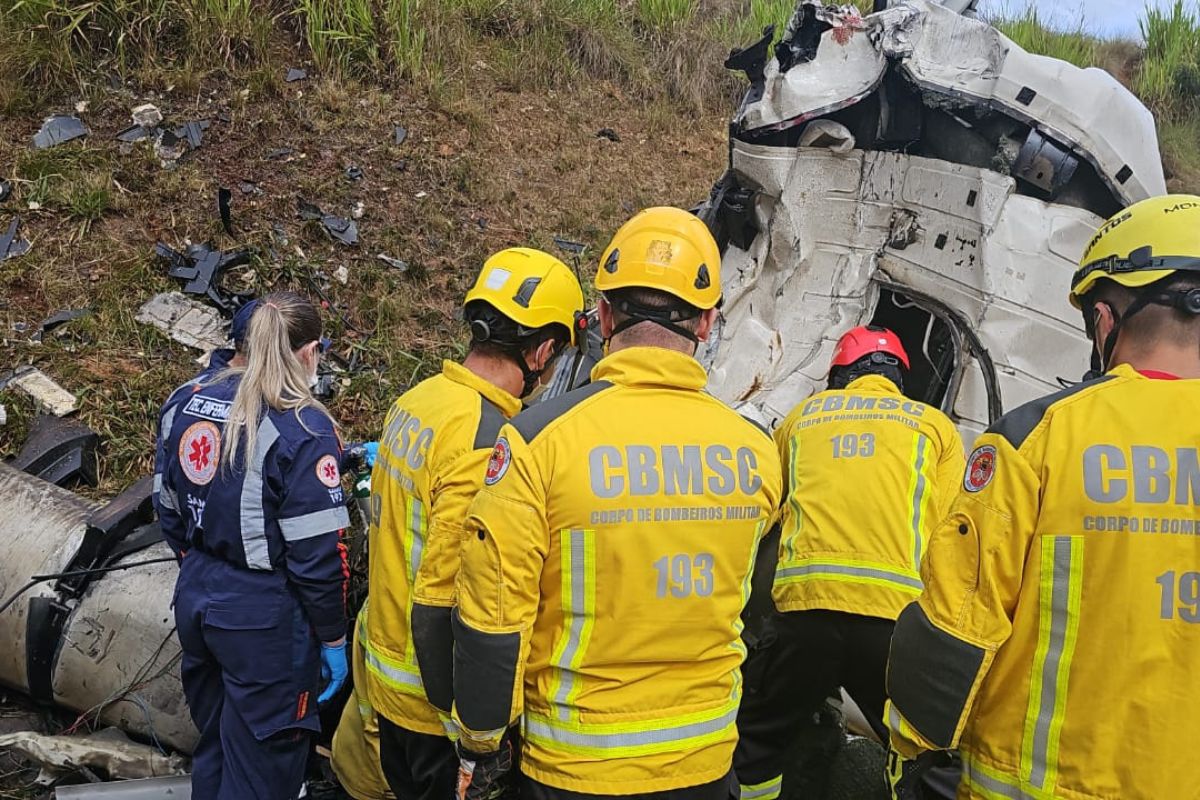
(199, 448)
(981, 466)
(498, 463)
(327, 471)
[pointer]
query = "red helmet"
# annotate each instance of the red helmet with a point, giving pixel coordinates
(867, 339)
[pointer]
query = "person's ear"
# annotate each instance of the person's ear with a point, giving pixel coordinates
(543, 354)
(1103, 322)
(708, 319)
(605, 313)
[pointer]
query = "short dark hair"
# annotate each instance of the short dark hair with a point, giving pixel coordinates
(1154, 322)
(655, 299)
(505, 336)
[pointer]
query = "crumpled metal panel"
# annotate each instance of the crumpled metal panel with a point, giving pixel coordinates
(829, 223)
(962, 61)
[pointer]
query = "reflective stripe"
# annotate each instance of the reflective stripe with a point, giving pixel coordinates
(790, 537)
(168, 499)
(414, 545)
(393, 673)
(306, 526)
(767, 790)
(849, 571)
(168, 421)
(157, 482)
(995, 785)
(633, 738)
(254, 531)
(918, 497)
(1058, 626)
(578, 563)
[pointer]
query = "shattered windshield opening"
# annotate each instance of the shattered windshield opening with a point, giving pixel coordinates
(929, 341)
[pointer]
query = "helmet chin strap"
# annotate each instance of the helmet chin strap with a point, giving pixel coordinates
(1185, 300)
(668, 318)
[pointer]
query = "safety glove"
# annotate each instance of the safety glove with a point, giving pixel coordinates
(334, 669)
(481, 775)
(904, 775)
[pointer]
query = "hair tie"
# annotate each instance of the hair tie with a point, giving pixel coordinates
(271, 305)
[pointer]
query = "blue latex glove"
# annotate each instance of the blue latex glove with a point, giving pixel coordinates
(333, 669)
(372, 449)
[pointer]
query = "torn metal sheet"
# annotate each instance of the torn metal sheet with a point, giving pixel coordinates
(399, 134)
(394, 263)
(193, 132)
(176, 787)
(146, 116)
(57, 320)
(110, 751)
(48, 395)
(201, 268)
(60, 451)
(339, 228)
(134, 134)
(10, 245)
(187, 321)
(294, 74)
(59, 129)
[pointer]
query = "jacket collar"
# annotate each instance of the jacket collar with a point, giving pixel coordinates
(873, 383)
(651, 366)
(508, 405)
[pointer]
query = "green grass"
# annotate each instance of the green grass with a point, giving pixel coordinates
(1031, 31)
(1169, 77)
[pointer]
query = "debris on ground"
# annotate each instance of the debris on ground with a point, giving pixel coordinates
(60, 451)
(10, 245)
(281, 154)
(3, 414)
(48, 395)
(168, 149)
(394, 263)
(201, 268)
(56, 320)
(360, 208)
(224, 198)
(342, 229)
(354, 173)
(59, 129)
(400, 134)
(174, 786)
(134, 135)
(5, 190)
(187, 321)
(110, 751)
(147, 116)
(193, 132)
(342, 274)
(295, 74)
(609, 134)
(249, 188)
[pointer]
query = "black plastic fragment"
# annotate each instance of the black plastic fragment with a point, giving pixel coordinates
(752, 60)
(135, 134)
(354, 173)
(400, 134)
(61, 451)
(280, 153)
(342, 229)
(294, 74)
(10, 245)
(201, 267)
(224, 198)
(58, 319)
(47, 617)
(110, 525)
(58, 129)
(5, 190)
(803, 45)
(193, 132)
(608, 133)
(1045, 164)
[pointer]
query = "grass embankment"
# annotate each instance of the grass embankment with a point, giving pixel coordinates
(502, 100)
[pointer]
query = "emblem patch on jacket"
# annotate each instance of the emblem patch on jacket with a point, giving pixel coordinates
(327, 471)
(199, 448)
(981, 466)
(498, 463)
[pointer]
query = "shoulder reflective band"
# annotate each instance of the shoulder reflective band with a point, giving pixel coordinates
(848, 571)
(918, 484)
(767, 790)
(578, 563)
(1059, 590)
(634, 738)
(253, 518)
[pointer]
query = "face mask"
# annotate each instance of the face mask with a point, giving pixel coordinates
(538, 390)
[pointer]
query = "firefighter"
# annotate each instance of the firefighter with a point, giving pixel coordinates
(1056, 643)
(608, 555)
(869, 474)
(523, 310)
(251, 501)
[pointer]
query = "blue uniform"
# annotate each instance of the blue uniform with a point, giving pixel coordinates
(262, 581)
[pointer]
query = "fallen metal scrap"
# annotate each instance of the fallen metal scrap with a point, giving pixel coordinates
(10, 245)
(187, 321)
(60, 451)
(49, 396)
(59, 129)
(201, 267)
(339, 228)
(109, 751)
(176, 787)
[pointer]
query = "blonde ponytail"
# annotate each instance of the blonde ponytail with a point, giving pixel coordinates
(273, 376)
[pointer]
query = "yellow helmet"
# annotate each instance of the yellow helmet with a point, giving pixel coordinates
(667, 249)
(531, 288)
(1142, 244)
